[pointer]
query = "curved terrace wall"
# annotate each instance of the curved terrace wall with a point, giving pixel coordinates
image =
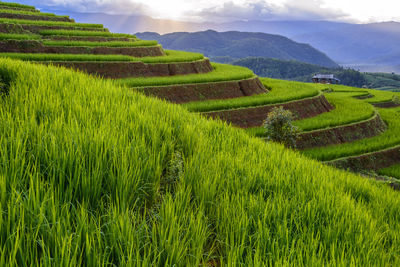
(117, 70)
(388, 104)
(206, 91)
(37, 47)
(87, 38)
(254, 116)
(370, 161)
(342, 134)
(34, 17)
(18, 28)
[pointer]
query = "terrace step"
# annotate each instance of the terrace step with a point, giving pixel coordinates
(34, 17)
(87, 38)
(37, 47)
(342, 134)
(387, 104)
(184, 93)
(365, 96)
(370, 161)
(255, 116)
(126, 69)
(23, 28)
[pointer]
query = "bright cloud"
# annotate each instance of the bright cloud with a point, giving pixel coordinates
(222, 10)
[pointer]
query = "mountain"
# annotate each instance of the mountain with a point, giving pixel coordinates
(237, 45)
(368, 47)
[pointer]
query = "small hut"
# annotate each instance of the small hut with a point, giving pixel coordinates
(325, 79)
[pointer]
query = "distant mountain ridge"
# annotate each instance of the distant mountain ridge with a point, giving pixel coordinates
(237, 45)
(368, 47)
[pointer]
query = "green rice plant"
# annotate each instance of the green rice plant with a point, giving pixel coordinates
(392, 171)
(15, 36)
(84, 33)
(50, 23)
(16, 5)
(35, 13)
(221, 72)
(83, 170)
(280, 91)
(170, 57)
(385, 140)
(347, 110)
(378, 95)
(100, 44)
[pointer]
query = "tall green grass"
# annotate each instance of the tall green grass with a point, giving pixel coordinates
(16, 36)
(385, 140)
(221, 72)
(100, 44)
(28, 12)
(16, 5)
(392, 171)
(347, 110)
(50, 23)
(92, 174)
(280, 91)
(171, 56)
(378, 95)
(84, 33)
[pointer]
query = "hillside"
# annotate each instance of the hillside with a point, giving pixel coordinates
(239, 45)
(370, 47)
(303, 72)
(98, 167)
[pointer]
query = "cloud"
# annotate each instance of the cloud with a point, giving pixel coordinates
(104, 6)
(205, 10)
(262, 10)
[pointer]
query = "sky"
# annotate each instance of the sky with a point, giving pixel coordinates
(356, 11)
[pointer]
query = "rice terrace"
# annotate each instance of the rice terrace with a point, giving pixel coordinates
(117, 152)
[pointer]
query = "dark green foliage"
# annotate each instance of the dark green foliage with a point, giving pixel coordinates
(383, 81)
(239, 45)
(279, 127)
(298, 71)
(351, 77)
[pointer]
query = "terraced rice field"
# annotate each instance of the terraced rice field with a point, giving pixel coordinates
(95, 173)
(170, 56)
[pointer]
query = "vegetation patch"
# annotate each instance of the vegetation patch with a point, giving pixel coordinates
(50, 23)
(16, 36)
(251, 117)
(342, 134)
(100, 44)
(87, 166)
(220, 73)
(74, 33)
(392, 171)
(389, 138)
(89, 38)
(346, 110)
(36, 47)
(279, 92)
(171, 56)
(210, 90)
(124, 69)
(369, 161)
(35, 13)
(16, 5)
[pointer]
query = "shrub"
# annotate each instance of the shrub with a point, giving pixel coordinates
(279, 128)
(395, 99)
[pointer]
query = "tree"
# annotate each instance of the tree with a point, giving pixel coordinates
(279, 128)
